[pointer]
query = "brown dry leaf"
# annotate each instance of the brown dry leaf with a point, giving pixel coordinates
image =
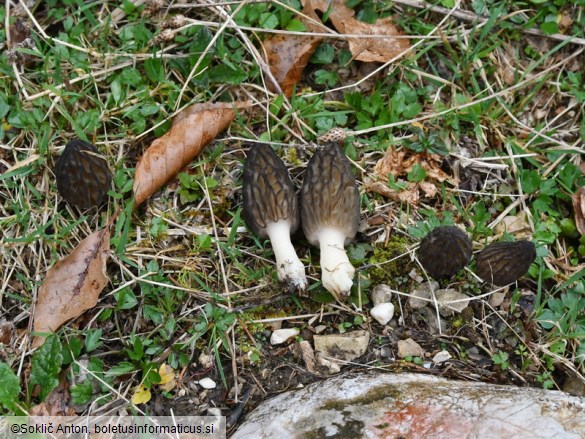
(399, 163)
(339, 14)
(410, 194)
(6, 332)
(288, 55)
(376, 49)
(72, 285)
(192, 129)
(516, 225)
(365, 49)
(579, 207)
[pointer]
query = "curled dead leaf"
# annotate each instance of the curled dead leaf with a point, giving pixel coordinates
(192, 129)
(410, 194)
(288, 55)
(376, 49)
(399, 163)
(383, 46)
(579, 207)
(72, 285)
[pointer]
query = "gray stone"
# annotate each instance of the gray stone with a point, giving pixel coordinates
(422, 296)
(344, 347)
(409, 348)
(377, 405)
(451, 301)
(436, 326)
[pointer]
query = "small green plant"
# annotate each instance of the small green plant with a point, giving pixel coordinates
(345, 326)
(501, 359)
(192, 187)
(46, 365)
(430, 142)
(9, 390)
(213, 324)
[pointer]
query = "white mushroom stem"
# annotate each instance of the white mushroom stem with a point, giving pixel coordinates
(336, 270)
(290, 269)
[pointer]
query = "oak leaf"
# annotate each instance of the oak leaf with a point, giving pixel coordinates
(192, 129)
(72, 285)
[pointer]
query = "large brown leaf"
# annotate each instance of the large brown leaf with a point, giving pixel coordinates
(192, 129)
(287, 55)
(72, 285)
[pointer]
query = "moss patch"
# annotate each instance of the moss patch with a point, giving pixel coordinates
(391, 262)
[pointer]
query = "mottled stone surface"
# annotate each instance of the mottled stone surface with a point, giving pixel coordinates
(378, 405)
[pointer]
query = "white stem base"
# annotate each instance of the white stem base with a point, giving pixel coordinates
(336, 270)
(290, 269)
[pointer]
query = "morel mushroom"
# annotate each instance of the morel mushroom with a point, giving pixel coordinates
(271, 210)
(83, 175)
(505, 262)
(330, 213)
(444, 251)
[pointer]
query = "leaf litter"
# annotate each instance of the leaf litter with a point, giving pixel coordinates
(288, 55)
(72, 285)
(399, 163)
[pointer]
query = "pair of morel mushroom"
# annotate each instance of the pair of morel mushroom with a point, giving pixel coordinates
(329, 212)
(447, 249)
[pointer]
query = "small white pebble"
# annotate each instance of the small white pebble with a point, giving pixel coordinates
(281, 335)
(320, 328)
(382, 313)
(207, 383)
(441, 357)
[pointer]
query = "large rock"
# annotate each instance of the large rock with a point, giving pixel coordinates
(376, 405)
